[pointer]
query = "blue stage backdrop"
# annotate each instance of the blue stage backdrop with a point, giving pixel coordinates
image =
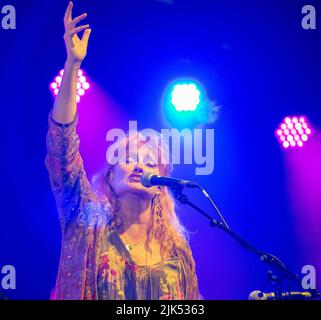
(255, 62)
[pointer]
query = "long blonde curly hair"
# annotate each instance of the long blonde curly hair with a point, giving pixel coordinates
(164, 224)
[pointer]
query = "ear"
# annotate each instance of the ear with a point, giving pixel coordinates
(159, 190)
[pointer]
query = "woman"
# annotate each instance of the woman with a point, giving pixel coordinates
(121, 241)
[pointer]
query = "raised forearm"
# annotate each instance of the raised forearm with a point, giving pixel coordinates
(65, 106)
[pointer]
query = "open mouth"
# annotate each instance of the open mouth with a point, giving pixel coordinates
(134, 177)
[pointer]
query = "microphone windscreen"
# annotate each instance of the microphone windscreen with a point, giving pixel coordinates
(145, 179)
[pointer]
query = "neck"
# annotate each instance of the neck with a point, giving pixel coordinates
(136, 213)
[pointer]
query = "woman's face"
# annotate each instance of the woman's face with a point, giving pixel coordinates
(125, 177)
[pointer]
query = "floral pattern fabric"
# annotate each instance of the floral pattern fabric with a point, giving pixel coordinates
(119, 277)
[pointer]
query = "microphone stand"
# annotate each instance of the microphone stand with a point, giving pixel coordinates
(277, 272)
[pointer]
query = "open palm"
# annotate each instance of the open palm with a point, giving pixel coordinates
(76, 47)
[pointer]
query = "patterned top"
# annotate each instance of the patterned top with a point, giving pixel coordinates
(119, 277)
(94, 262)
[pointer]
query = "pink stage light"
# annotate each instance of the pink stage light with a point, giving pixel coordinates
(82, 84)
(293, 132)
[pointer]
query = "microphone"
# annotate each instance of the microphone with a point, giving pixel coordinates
(260, 295)
(148, 180)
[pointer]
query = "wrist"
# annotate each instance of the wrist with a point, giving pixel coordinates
(72, 64)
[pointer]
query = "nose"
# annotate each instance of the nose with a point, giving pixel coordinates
(138, 168)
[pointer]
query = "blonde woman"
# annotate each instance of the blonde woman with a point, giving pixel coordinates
(120, 240)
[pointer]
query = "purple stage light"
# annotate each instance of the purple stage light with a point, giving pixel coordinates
(293, 132)
(82, 84)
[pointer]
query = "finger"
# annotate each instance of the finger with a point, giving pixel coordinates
(78, 19)
(78, 29)
(67, 17)
(86, 35)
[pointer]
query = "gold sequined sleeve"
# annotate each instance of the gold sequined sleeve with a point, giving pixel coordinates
(67, 176)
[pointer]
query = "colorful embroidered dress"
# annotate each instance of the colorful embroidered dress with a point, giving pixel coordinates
(94, 262)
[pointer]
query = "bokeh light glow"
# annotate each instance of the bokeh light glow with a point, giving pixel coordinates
(185, 97)
(82, 84)
(293, 132)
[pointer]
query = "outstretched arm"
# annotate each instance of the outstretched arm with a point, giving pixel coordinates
(63, 161)
(65, 106)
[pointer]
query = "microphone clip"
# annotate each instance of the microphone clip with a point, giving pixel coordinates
(178, 193)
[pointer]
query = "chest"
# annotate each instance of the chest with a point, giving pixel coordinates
(122, 279)
(142, 257)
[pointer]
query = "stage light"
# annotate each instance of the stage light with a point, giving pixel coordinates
(58, 79)
(293, 132)
(86, 85)
(186, 105)
(82, 79)
(82, 84)
(81, 92)
(185, 97)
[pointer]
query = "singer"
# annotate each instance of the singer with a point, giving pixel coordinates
(120, 240)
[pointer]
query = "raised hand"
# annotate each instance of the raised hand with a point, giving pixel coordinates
(76, 47)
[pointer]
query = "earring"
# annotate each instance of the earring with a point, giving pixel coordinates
(157, 209)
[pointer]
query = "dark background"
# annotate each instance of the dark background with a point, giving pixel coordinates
(254, 60)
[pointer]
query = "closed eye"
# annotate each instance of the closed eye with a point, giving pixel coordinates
(130, 160)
